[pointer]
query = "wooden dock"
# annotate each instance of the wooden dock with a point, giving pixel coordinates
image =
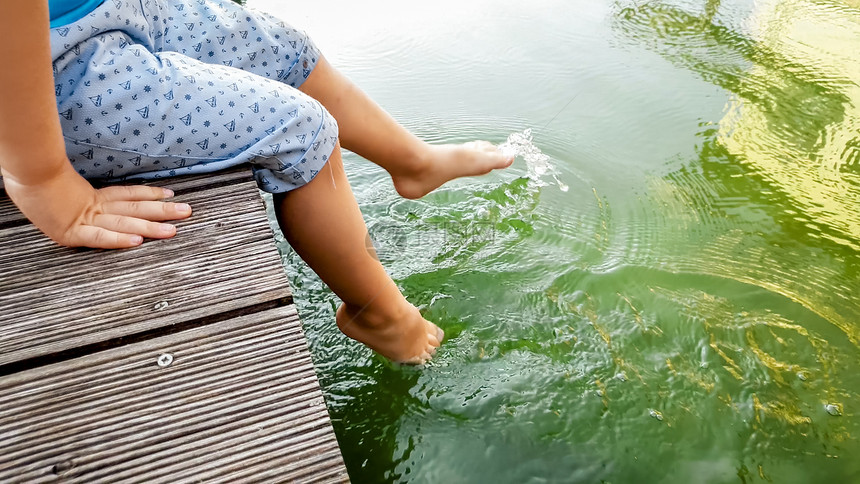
(181, 360)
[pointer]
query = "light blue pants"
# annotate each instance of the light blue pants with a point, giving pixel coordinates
(157, 88)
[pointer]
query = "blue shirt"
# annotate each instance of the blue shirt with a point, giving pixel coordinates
(67, 11)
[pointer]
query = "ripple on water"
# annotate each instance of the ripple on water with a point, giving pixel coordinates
(702, 265)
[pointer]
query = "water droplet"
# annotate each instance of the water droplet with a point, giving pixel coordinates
(621, 376)
(834, 409)
(801, 376)
(655, 414)
(160, 305)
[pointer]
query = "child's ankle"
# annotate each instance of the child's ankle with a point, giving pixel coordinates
(378, 315)
(416, 160)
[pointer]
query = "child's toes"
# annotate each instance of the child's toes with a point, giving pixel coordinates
(424, 357)
(435, 335)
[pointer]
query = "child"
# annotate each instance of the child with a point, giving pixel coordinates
(157, 88)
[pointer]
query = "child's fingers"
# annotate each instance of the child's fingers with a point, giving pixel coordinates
(136, 192)
(100, 238)
(148, 210)
(135, 226)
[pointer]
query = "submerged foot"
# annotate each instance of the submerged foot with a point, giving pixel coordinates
(407, 339)
(442, 163)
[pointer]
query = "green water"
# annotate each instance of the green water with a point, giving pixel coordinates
(686, 311)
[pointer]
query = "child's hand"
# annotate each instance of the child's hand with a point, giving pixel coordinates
(73, 213)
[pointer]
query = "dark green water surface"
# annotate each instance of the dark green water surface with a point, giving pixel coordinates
(686, 311)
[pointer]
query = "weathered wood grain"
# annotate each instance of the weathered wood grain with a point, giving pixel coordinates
(240, 402)
(53, 299)
(10, 215)
(83, 399)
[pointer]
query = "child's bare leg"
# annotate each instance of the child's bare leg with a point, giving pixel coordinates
(365, 128)
(322, 222)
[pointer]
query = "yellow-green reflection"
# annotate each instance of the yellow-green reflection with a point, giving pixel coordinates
(805, 137)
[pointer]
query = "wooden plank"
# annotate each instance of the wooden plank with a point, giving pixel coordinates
(239, 402)
(8, 211)
(55, 299)
(10, 215)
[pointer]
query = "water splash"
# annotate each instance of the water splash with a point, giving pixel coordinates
(539, 165)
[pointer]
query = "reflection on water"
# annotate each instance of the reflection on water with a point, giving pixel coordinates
(793, 113)
(686, 311)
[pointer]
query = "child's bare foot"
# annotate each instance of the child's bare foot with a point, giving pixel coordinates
(408, 338)
(441, 163)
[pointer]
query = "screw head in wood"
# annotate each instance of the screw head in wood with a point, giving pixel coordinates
(165, 359)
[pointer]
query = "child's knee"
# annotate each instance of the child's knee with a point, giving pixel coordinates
(314, 129)
(295, 152)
